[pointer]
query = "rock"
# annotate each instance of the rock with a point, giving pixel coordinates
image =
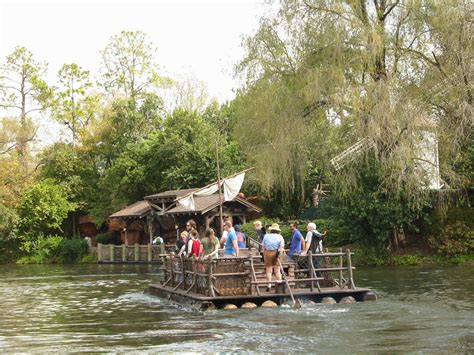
(347, 300)
(269, 304)
(230, 306)
(328, 300)
(370, 296)
(249, 305)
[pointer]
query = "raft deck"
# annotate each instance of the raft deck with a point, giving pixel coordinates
(214, 283)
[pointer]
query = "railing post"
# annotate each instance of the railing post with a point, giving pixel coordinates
(311, 269)
(183, 273)
(209, 280)
(172, 269)
(149, 252)
(124, 252)
(341, 265)
(194, 274)
(99, 252)
(112, 252)
(349, 266)
(137, 252)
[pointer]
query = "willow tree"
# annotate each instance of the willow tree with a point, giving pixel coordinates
(323, 75)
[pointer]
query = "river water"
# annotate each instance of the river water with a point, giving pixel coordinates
(102, 308)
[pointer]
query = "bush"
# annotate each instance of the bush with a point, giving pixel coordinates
(42, 250)
(455, 239)
(70, 250)
(89, 259)
(105, 238)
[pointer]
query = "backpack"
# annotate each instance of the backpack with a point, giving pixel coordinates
(316, 238)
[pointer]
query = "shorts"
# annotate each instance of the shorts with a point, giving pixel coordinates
(270, 257)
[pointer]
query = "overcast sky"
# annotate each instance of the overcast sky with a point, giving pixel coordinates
(202, 37)
(198, 37)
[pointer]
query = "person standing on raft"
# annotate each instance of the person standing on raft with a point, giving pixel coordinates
(273, 245)
(231, 247)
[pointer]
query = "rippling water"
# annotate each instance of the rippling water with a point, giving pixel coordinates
(99, 308)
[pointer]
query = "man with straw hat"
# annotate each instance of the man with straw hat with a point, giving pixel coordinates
(273, 244)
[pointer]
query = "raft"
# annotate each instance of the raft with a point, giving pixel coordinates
(215, 284)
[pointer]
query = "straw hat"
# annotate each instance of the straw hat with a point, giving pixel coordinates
(274, 227)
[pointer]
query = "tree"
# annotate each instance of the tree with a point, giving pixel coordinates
(74, 107)
(128, 65)
(322, 75)
(43, 209)
(23, 93)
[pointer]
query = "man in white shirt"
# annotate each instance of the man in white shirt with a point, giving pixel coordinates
(314, 242)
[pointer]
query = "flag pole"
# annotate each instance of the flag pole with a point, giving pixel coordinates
(219, 189)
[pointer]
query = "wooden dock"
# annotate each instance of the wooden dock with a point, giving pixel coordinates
(129, 254)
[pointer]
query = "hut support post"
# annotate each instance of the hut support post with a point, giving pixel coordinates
(349, 267)
(124, 252)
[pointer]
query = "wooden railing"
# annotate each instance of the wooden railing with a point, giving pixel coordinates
(110, 253)
(237, 275)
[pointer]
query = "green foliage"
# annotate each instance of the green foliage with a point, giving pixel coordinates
(369, 214)
(89, 259)
(183, 155)
(455, 240)
(73, 106)
(53, 249)
(42, 250)
(404, 260)
(128, 65)
(370, 257)
(105, 238)
(71, 250)
(43, 208)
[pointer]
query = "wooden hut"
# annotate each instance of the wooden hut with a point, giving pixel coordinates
(132, 223)
(160, 214)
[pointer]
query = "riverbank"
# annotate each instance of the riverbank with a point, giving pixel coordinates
(404, 258)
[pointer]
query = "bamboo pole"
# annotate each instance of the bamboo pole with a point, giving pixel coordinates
(219, 189)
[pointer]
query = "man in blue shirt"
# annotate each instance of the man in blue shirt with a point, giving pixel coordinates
(231, 248)
(297, 240)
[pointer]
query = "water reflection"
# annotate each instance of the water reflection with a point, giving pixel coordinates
(102, 308)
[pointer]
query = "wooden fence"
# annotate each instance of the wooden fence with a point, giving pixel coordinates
(110, 253)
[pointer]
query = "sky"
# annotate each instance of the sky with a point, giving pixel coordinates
(198, 38)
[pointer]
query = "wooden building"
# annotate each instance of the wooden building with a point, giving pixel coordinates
(160, 214)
